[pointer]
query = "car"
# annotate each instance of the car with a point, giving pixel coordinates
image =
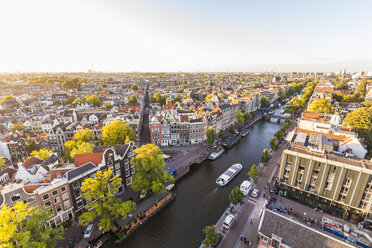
(229, 220)
(88, 232)
(255, 193)
(100, 242)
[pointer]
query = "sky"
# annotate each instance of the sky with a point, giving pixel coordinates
(185, 35)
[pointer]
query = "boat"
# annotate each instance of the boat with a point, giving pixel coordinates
(245, 133)
(231, 142)
(229, 174)
(214, 155)
(245, 187)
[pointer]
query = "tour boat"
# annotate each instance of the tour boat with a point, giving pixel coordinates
(214, 155)
(229, 174)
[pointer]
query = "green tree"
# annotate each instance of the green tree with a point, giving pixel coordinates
(236, 196)
(232, 129)
(150, 174)
(253, 172)
(42, 154)
(208, 97)
(177, 99)
(73, 147)
(132, 99)
(85, 135)
(265, 102)
(294, 105)
(3, 165)
(6, 98)
(273, 143)
(211, 237)
(220, 134)
(265, 157)
(134, 87)
(18, 127)
(69, 100)
(94, 100)
(117, 132)
(31, 145)
(321, 106)
(101, 191)
(57, 102)
(240, 118)
(77, 100)
(211, 135)
(22, 226)
(247, 116)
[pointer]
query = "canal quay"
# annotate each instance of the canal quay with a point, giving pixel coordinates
(199, 201)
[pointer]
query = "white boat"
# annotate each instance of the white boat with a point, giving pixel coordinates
(216, 154)
(229, 174)
(245, 187)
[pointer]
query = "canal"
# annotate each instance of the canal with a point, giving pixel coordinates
(199, 201)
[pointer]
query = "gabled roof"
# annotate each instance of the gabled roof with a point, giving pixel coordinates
(54, 173)
(32, 160)
(119, 149)
(81, 159)
(80, 170)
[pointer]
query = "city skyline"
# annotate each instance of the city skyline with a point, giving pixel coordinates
(185, 36)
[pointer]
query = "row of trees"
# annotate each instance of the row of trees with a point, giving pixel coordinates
(295, 104)
(358, 95)
(6, 98)
(279, 134)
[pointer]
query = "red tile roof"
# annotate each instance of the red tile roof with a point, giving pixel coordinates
(31, 161)
(81, 159)
(55, 172)
(31, 188)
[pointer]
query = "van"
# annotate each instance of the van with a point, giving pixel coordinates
(229, 220)
(245, 187)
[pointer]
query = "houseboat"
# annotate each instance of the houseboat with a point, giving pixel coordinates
(229, 174)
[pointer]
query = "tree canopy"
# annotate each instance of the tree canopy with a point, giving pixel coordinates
(42, 154)
(236, 196)
(150, 174)
(321, 106)
(264, 102)
(240, 118)
(85, 135)
(18, 127)
(6, 98)
(254, 172)
(265, 157)
(134, 87)
(94, 100)
(132, 99)
(247, 116)
(31, 145)
(3, 165)
(117, 132)
(22, 226)
(101, 191)
(211, 135)
(211, 237)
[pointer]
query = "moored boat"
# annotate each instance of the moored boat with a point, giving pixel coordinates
(245, 133)
(214, 155)
(229, 174)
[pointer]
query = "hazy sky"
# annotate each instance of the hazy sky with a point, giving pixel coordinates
(209, 35)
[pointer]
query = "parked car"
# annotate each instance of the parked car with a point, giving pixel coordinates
(100, 242)
(88, 232)
(229, 220)
(255, 193)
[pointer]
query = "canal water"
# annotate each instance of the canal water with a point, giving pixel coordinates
(199, 201)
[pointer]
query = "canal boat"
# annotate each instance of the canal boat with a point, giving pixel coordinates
(229, 174)
(245, 133)
(214, 155)
(231, 142)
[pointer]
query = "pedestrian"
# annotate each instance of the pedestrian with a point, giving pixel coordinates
(251, 221)
(245, 240)
(241, 237)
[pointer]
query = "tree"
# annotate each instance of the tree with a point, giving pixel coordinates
(101, 191)
(3, 165)
(23, 226)
(211, 135)
(273, 144)
(132, 99)
(240, 118)
(265, 157)
(117, 132)
(6, 98)
(220, 134)
(134, 87)
(176, 99)
(85, 135)
(18, 127)
(254, 172)
(208, 97)
(73, 147)
(321, 106)
(247, 116)
(211, 237)
(31, 145)
(57, 102)
(236, 196)
(294, 105)
(77, 100)
(150, 174)
(69, 100)
(265, 102)
(42, 154)
(94, 100)
(232, 129)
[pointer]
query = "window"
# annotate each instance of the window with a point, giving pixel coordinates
(15, 197)
(127, 173)
(126, 166)
(31, 199)
(79, 203)
(118, 172)
(59, 208)
(77, 193)
(63, 189)
(57, 200)
(55, 192)
(129, 181)
(47, 204)
(117, 166)
(46, 197)
(132, 170)
(65, 196)
(75, 185)
(67, 204)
